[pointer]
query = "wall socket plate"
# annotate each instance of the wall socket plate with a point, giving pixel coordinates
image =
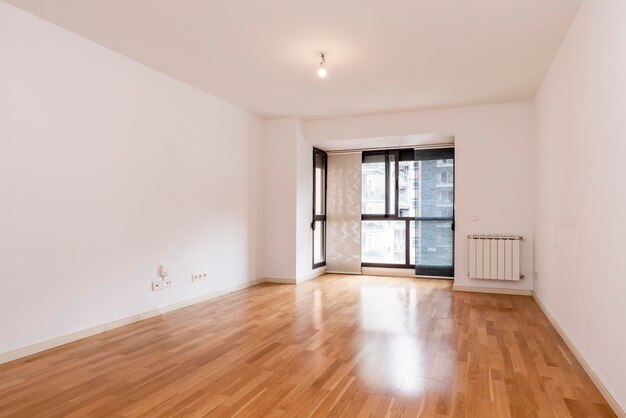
(196, 277)
(161, 284)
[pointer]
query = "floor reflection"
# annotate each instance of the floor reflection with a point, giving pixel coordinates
(394, 338)
(395, 355)
(387, 309)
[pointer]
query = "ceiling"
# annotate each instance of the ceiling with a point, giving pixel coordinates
(400, 141)
(382, 56)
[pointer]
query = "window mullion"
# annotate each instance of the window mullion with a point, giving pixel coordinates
(386, 184)
(407, 242)
(397, 194)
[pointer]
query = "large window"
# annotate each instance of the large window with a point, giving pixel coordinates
(319, 208)
(387, 208)
(408, 210)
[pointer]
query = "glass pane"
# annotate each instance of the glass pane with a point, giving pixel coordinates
(320, 184)
(407, 186)
(373, 188)
(318, 242)
(391, 206)
(433, 243)
(383, 242)
(435, 188)
(413, 241)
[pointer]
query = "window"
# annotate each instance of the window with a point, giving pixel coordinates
(407, 186)
(383, 242)
(388, 180)
(319, 208)
(445, 197)
(407, 217)
(373, 186)
(445, 176)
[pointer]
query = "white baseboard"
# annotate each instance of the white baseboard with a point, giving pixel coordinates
(316, 273)
(98, 329)
(279, 280)
(351, 273)
(208, 296)
(619, 411)
(496, 290)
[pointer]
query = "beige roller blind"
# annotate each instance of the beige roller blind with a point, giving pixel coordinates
(343, 213)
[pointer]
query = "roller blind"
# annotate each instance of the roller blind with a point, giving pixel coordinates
(343, 213)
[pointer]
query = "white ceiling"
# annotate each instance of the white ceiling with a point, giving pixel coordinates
(401, 141)
(382, 56)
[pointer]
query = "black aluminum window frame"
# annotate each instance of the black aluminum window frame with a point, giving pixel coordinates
(409, 154)
(397, 154)
(319, 218)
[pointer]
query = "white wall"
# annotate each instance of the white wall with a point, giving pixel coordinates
(304, 233)
(304, 202)
(108, 170)
(279, 198)
(580, 155)
(288, 190)
(494, 168)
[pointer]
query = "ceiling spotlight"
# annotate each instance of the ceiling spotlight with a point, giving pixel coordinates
(322, 72)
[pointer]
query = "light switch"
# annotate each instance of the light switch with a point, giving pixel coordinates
(474, 218)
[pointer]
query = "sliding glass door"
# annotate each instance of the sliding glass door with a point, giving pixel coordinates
(433, 230)
(408, 210)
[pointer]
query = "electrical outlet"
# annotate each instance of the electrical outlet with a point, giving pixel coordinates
(161, 284)
(198, 276)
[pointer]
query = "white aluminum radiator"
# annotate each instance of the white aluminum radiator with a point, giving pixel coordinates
(494, 257)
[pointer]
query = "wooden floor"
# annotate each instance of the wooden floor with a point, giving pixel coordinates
(343, 346)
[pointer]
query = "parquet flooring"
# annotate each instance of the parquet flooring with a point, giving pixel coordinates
(344, 346)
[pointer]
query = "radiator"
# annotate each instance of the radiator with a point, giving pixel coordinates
(494, 257)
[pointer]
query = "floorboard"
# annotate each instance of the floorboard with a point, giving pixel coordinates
(345, 346)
